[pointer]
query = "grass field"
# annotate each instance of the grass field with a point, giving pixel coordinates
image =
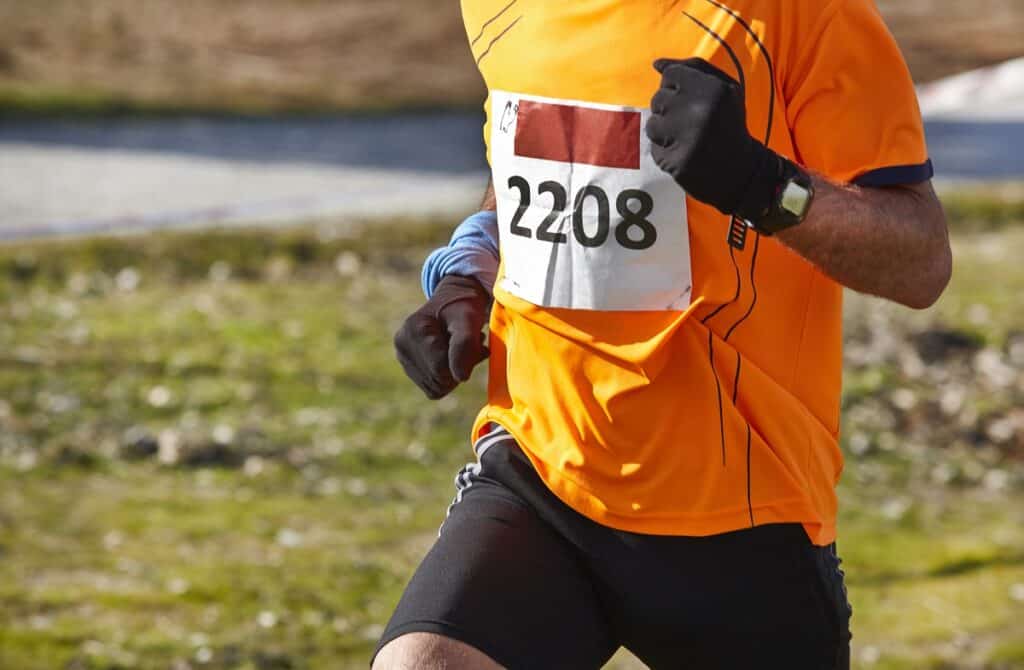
(209, 459)
(256, 56)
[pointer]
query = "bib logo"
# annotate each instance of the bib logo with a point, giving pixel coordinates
(508, 116)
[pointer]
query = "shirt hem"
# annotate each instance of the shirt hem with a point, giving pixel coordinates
(583, 501)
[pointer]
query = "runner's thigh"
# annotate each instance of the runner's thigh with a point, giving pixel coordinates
(755, 598)
(500, 580)
(751, 599)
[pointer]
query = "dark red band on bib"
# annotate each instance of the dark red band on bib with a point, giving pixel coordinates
(578, 135)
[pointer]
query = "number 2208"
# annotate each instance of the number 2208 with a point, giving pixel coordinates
(633, 206)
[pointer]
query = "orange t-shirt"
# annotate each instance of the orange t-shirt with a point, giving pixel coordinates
(666, 370)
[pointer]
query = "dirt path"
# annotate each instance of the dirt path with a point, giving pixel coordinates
(110, 175)
(48, 191)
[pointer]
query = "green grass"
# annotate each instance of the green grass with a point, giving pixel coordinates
(974, 209)
(300, 477)
(35, 102)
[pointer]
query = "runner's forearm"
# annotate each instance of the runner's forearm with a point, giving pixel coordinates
(890, 242)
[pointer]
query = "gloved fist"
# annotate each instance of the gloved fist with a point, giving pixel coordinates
(441, 342)
(698, 132)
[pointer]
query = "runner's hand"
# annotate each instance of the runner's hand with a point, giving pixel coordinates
(698, 132)
(441, 342)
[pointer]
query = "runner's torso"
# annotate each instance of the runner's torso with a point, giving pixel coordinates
(667, 371)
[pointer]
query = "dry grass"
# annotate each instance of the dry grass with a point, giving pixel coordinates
(943, 37)
(245, 54)
(324, 54)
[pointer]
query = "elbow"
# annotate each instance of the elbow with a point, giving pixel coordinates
(931, 281)
(934, 269)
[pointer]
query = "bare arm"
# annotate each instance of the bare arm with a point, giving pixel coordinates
(890, 242)
(490, 203)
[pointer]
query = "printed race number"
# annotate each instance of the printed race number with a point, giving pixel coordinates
(587, 220)
(633, 207)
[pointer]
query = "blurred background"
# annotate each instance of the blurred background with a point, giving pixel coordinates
(212, 217)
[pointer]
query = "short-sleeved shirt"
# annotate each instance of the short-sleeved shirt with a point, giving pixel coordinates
(666, 369)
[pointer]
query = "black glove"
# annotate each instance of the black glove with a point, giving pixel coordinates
(441, 342)
(698, 132)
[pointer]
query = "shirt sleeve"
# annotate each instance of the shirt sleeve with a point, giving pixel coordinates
(851, 104)
(472, 252)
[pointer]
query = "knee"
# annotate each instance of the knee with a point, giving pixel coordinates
(428, 651)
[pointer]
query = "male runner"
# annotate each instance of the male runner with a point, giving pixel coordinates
(658, 454)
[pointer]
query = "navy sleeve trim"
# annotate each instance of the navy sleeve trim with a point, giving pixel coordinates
(897, 175)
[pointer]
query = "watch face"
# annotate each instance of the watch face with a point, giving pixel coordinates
(796, 199)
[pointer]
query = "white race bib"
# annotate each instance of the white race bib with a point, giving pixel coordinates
(587, 220)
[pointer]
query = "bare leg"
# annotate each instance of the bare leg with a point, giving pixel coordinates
(427, 651)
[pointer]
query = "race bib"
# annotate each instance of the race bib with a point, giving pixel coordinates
(587, 220)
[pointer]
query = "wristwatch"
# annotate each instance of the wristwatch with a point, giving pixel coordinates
(792, 201)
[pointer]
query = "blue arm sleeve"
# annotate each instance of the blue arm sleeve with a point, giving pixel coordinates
(472, 252)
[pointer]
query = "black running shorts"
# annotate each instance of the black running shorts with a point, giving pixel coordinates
(535, 585)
